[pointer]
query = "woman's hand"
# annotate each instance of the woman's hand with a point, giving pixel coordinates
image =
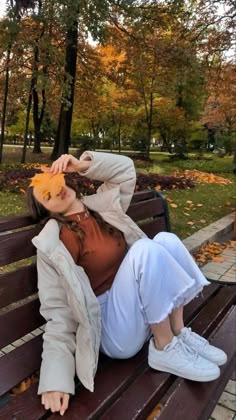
(55, 401)
(69, 163)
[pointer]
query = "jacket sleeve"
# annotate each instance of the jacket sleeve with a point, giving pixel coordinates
(115, 171)
(58, 361)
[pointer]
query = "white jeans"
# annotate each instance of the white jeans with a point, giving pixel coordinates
(155, 277)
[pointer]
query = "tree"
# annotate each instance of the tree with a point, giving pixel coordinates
(90, 17)
(10, 28)
(220, 109)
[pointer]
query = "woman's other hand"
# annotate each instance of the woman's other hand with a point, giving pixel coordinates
(55, 401)
(69, 163)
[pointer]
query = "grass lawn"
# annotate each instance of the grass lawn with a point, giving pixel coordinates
(206, 202)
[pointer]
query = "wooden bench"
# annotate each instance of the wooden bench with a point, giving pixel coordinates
(124, 389)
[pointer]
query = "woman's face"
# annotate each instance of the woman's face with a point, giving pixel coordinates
(60, 204)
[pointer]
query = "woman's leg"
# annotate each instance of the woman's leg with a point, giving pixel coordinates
(149, 285)
(179, 252)
(176, 248)
(177, 320)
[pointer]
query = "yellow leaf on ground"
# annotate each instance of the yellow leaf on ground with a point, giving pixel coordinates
(218, 259)
(190, 223)
(173, 205)
(169, 200)
(189, 201)
(202, 221)
(186, 214)
(199, 205)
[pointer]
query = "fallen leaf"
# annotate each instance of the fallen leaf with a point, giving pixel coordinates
(189, 201)
(173, 205)
(202, 221)
(155, 412)
(218, 259)
(169, 200)
(199, 205)
(186, 214)
(228, 203)
(190, 223)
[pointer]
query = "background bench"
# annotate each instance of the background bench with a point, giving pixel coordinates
(124, 389)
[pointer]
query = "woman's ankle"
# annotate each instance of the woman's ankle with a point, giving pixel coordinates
(161, 342)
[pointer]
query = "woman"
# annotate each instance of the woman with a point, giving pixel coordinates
(103, 285)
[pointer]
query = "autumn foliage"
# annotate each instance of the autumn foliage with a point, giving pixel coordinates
(200, 176)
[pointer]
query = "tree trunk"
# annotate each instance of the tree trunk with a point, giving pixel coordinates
(62, 140)
(38, 115)
(26, 127)
(4, 108)
(38, 119)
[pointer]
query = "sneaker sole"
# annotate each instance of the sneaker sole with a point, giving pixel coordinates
(201, 378)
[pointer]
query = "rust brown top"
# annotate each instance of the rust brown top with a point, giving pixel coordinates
(101, 253)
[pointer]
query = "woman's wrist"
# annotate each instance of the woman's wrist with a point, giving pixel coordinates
(83, 165)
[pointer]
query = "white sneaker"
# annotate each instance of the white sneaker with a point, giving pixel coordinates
(177, 358)
(202, 346)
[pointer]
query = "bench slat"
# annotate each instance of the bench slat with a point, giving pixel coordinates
(146, 209)
(17, 246)
(151, 228)
(220, 305)
(18, 284)
(15, 222)
(20, 364)
(19, 322)
(199, 302)
(200, 399)
(143, 195)
(26, 406)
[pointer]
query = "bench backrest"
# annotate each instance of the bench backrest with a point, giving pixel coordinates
(20, 320)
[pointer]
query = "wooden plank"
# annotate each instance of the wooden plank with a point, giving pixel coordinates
(200, 399)
(152, 227)
(145, 209)
(26, 406)
(19, 322)
(136, 402)
(15, 222)
(199, 302)
(142, 195)
(109, 385)
(219, 305)
(20, 364)
(18, 284)
(17, 246)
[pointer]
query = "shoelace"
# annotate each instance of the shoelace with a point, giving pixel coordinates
(182, 348)
(189, 334)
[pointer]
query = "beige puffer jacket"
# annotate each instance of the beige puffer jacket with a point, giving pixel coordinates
(68, 304)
